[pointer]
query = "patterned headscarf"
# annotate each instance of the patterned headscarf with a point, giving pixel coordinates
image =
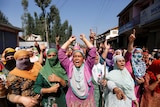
(138, 65)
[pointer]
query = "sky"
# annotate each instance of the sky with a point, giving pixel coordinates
(82, 15)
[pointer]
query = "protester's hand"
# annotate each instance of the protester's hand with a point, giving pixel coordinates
(54, 78)
(29, 101)
(37, 96)
(136, 103)
(35, 43)
(140, 80)
(119, 94)
(104, 82)
(54, 88)
(106, 45)
(2, 85)
(132, 37)
(72, 38)
(158, 77)
(42, 47)
(57, 39)
(82, 37)
(92, 35)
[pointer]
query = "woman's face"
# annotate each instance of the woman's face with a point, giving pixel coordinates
(117, 53)
(78, 59)
(51, 55)
(121, 64)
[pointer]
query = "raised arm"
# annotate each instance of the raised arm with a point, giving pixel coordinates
(131, 41)
(68, 42)
(88, 43)
(57, 42)
(91, 53)
(63, 58)
(105, 52)
(92, 36)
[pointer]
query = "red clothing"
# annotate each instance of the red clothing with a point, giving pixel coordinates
(153, 70)
(1, 66)
(151, 98)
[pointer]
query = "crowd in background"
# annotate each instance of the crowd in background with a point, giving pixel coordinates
(80, 75)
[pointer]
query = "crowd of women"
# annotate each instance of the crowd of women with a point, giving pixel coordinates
(80, 75)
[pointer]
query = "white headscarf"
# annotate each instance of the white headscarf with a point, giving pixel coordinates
(122, 79)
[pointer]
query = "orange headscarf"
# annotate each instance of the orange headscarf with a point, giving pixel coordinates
(20, 53)
(29, 74)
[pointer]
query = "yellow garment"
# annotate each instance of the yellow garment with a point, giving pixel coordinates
(20, 53)
(30, 74)
(7, 50)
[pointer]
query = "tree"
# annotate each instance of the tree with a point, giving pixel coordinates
(50, 20)
(54, 23)
(30, 24)
(24, 16)
(64, 31)
(4, 19)
(43, 4)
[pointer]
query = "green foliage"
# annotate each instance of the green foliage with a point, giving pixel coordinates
(4, 19)
(43, 4)
(50, 20)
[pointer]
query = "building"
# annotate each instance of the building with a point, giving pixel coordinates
(112, 37)
(144, 17)
(34, 37)
(30, 41)
(8, 36)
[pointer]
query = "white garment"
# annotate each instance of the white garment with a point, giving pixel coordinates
(112, 101)
(77, 82)
(123, 80)
(34, 59)
(98, 72)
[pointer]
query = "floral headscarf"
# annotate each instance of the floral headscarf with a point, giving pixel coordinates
(138, 65)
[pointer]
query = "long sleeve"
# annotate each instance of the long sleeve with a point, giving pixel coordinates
(64, 60)
(91, 57)
(111, 85)
(38, 85)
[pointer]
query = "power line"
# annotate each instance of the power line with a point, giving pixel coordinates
(103, 7)
(65, 1)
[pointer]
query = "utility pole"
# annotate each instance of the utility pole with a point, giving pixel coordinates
(46, 31)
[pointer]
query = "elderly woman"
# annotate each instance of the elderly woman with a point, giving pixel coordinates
(21, 80)
(80, 92)
(120, 85)
(51, 81)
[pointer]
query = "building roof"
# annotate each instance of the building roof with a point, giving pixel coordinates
(127, 7)
(109, 30)
(9, 28)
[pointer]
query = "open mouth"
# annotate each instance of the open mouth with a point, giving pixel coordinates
(77, 62)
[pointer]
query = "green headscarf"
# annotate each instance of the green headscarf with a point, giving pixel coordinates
(53, 66)
(52, 61)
